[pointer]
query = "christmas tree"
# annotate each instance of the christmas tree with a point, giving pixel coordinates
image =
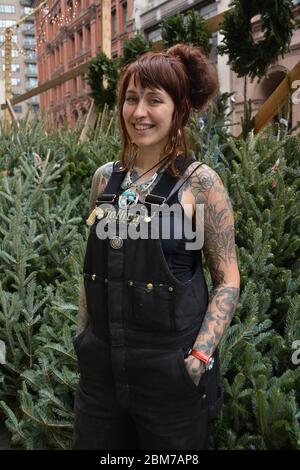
(43, 210)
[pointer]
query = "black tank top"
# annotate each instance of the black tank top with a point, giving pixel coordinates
(182, 262)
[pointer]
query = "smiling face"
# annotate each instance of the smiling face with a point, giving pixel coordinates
(147, 115)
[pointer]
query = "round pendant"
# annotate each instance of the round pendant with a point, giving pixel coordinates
(147, 218)
(128, 198)
(116, 242)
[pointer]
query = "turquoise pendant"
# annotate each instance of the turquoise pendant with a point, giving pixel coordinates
(128, 198)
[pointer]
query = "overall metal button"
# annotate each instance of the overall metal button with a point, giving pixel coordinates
(116, 242)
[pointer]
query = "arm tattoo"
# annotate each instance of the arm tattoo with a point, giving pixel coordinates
(219, 314)
(219, 244)
(219, 251)
(100, 180)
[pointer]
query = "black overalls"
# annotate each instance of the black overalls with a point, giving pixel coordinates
(135, 391)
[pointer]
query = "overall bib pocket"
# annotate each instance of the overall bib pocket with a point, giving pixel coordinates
(151, 306)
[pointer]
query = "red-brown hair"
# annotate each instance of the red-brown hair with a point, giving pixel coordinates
(186, 74)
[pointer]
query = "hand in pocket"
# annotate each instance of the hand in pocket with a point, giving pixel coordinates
(195, 368)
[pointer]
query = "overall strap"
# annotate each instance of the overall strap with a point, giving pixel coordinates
(110, 192)
(160, 192)
(164, 187)
(202, 163)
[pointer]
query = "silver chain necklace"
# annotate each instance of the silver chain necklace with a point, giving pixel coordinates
(130, 196)
(142, 187)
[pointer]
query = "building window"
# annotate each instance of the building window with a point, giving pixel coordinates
(80, 40)
(14, 53)
(30, 41)
(88, 35)
(14, 67)
(16, 81)
(31, 68)
(6, 23)
(17, 109)
(124, 14)
(7, 9)
(52, 60)
(14, 38)
(72, 41)
(51, 29)
(70, 8)
(28, 26)
(31, 55)
(35, 108)
(154, 35)
(61, 55)
(83, 83)
(27, 10)
(31, 83)
(114, 22)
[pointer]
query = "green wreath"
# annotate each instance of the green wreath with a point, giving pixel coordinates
(101, 67)
(249, 57)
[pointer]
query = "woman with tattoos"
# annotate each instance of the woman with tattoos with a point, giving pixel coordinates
(148, 333)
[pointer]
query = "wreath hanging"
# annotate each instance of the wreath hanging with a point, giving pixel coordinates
(101, 67)
(246, 55)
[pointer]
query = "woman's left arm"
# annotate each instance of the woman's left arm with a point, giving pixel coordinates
(220, 255)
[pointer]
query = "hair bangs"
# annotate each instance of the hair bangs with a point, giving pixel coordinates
(156, 73)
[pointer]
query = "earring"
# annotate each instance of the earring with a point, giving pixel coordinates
(178, 147)
(174, 145)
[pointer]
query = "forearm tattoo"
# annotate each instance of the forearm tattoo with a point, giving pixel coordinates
(220, 254)
(218, 316)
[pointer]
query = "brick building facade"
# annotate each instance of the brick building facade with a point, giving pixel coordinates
(23, 66)
(68, 33)
(76, 35)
